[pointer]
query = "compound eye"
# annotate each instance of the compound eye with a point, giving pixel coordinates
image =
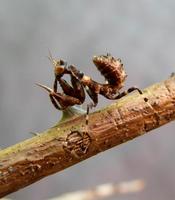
(59, 70)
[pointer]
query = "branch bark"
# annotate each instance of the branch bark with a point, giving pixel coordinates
(67, 143)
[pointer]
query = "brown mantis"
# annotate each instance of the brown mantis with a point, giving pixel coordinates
(74, 94)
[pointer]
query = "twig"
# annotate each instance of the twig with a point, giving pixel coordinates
(65, 144)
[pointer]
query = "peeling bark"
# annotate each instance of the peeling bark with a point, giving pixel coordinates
(67, 143)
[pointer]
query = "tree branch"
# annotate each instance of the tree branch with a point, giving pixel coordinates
(67, 143)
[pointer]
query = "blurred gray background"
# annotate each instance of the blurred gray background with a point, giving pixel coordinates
(141, 33)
